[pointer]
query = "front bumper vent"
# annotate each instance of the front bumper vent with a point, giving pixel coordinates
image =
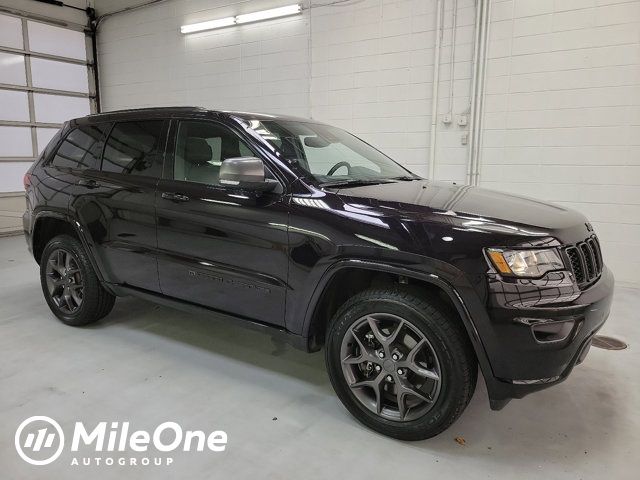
(585, 259)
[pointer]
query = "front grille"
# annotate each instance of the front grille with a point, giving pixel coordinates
(585, 259)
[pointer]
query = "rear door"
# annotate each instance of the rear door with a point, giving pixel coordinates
(116, 204)
(219, 247)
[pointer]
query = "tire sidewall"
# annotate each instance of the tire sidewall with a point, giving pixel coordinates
(452, 387)
(73, 247)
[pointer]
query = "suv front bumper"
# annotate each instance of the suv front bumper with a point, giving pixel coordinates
(524, 357)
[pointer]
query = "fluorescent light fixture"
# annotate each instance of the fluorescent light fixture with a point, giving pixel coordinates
(210, 25)
(244, 18)
(267, 14)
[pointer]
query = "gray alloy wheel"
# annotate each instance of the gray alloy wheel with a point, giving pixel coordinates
(70, 284)
(391, 367)
(400, 361)
(64, 281)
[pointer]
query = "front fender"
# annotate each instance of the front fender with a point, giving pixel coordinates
(443, 276)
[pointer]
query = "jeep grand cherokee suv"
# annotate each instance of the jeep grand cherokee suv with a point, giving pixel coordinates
(301, 227)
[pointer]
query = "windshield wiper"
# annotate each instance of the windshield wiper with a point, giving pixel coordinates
(356, 182)
(403, 178)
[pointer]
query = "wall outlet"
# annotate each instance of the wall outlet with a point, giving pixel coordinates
(462, 120)
(446, 119)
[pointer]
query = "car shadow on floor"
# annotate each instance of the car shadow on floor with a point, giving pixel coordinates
(221, 337)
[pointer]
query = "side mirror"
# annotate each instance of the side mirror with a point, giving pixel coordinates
(245, 173)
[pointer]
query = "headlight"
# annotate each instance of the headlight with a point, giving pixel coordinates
(525, 263)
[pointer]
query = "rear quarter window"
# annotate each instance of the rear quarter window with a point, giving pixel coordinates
(81, 148)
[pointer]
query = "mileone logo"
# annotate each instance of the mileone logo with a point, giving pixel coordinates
(40, 440)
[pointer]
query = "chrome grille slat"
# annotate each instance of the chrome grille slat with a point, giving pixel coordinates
(585, 260)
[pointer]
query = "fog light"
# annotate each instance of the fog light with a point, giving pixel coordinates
(552, 332)
(546, 330)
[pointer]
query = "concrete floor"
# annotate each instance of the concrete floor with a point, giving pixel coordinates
(149, 364)
(11, 209)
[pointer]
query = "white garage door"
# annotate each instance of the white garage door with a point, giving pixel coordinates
(44, 81)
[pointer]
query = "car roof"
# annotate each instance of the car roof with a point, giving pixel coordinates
(184, 111)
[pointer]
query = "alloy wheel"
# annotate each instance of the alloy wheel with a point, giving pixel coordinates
(64, 281)
(390, 367)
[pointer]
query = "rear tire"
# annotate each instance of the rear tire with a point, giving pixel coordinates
(428, 382)
(70, 285)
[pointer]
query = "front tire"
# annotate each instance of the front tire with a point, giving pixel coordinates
(70, 285)
(400, 362)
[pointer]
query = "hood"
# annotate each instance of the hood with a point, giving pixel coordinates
(474, 207)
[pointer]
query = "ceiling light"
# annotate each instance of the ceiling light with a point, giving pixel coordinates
(267, 14)
(244, 18)
(210, 25)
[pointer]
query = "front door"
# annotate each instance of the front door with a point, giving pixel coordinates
(219, 247)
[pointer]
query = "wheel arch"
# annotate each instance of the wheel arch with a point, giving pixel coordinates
(318, 313)
(49, 224)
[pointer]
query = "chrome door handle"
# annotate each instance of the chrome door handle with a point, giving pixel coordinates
(175, 197)
(89, 183)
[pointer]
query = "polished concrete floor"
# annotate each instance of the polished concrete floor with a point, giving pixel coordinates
(147, 364)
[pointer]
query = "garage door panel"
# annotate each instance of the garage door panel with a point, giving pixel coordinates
(12, 175)
(10, 32)
(14, 106)
(12, 70)
(59, 108)
(56, 41)
(59, 75)
(15, 142)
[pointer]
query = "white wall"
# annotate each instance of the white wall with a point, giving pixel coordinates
(562, 116)
(563, 87)
(372, 73)
(144, 60)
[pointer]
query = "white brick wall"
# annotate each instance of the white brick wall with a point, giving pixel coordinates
(562, 116)
(372, 72)
(144, 60)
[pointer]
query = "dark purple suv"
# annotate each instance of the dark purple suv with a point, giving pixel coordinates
(305, 231)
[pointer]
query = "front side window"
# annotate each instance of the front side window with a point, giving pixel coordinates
(82, 148)
(328, 154)
(201, 147)
(135, 148)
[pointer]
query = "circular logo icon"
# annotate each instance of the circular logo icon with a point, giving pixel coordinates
(39, 440)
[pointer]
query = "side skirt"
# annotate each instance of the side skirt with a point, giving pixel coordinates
(280, 334)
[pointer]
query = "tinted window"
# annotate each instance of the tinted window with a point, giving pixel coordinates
(81, 148)
(135, 148)
(201, 147)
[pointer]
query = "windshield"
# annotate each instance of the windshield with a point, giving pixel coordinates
(328, 154)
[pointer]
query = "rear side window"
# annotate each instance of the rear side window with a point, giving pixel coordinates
(82, 147)
(135, 148)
